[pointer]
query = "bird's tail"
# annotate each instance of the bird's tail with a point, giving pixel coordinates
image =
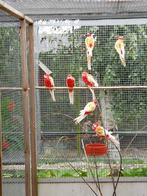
(89, 62)
(89, 58)
(93, 94)
(123, 60)
(79, 118)
(71, 97)
(114, 140)
(53, 95)
(89, 51)
(95, 83)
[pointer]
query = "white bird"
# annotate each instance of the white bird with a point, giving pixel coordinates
(88, 109)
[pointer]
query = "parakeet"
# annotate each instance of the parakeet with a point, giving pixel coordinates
(110, 137)
(99, 130)
(120, 48)
(89, 43)
(88, 109)
(49, 83)
(104, 133)
(70, 83)
(89, 80)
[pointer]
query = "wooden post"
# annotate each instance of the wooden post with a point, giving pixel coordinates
(25, 102)
(13, 12)
(1, 190)
(32, 111)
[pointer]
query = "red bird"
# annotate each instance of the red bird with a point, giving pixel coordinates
(89, 80)
(49, 83)
(70, 83)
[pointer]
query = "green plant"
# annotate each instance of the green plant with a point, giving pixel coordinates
(133, 161)
(11, 125)
(134, 172)
(66, 173)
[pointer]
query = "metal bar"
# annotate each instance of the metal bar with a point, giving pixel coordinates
(94, 16)
(32, 111)
(10, 88)
(98, 88)
(90, 180)
(102, 22)
(0, 149)
(10, 10)
(91, 132)
(25, 102)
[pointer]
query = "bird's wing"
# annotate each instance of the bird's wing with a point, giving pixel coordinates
(90, 107)
(92, 80)
(122, 50)
(89, 41)
(52, 81)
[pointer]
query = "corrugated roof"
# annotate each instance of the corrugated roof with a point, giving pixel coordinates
(81, 8)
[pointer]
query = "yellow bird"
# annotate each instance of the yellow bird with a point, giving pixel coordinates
(120, 48)
(89, 43)
(88, 109)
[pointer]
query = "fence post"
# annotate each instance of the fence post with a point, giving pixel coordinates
(1, 190)
(25, 102)
(32, 111)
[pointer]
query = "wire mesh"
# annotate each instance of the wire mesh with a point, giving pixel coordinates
(12, 125)
(60, 45)
(10, 74)
(82, 8)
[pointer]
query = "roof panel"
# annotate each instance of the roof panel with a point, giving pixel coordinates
(97, 8)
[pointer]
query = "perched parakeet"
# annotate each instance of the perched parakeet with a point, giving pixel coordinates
(104, 133)
(89, 80)
(49, 83)
(88, 109)
(70, 83)
(89, 43)
(120, 48)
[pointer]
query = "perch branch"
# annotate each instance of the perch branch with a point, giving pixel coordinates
(97, 88)
(65, 137)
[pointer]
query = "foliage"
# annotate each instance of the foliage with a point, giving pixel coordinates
(13, 174)
(107, 67)
(11, 125)
(135, 172)
(133, 161)
(10, 56)
(66, 173)
(10, 69)
(61, 173)
(47, 173)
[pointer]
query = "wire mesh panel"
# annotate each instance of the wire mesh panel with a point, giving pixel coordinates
(12, 124)
(121, 95)
(81, 8)
(10, 54)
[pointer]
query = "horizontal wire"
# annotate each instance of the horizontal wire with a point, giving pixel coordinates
(10, 88)
(91, 133)
(78, 87)
(101, 87)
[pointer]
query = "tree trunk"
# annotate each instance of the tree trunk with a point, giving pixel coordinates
(109, 121)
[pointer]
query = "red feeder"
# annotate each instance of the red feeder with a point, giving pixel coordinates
(96, 149)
